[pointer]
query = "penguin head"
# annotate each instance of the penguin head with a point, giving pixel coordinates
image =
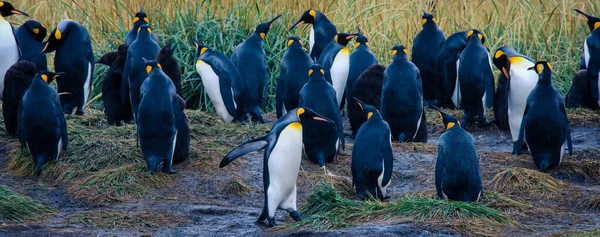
(108, 58)
(144, 31)
(151, 65)
(7, 9)
(361, 39)
(307, 17)
(294, 41)
(544, 70)
(592, 21)
(474, 32)
(501, 59)
(316, 71)
(428, 19)
(305, 114)
(263, 28)
(140, 18)
(399, 52)
(449, 120)
(344, 38)
(368, 110)
(56, 39)
(48, 76)
(36, 29)
(200, 48)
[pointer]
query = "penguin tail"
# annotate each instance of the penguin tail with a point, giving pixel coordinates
(402, 137)
(153, 163)
(39, 162)
(544, 162)
(321, 160)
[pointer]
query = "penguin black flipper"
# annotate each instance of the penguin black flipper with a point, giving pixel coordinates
(490, 87)
(247, 147)
(225, 86)
(388, 158)
(561, 104)
(517, 147)
(279, 97)
(501, 103)
(63, 124)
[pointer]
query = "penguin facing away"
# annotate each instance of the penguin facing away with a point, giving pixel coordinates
(425, 49)
(335, 59)
(30, 36)
(221, 81)
(321, 31)
(17, 81)
(361, 59)
(372, 157)
(368, 90)
(457, 172)
(402, 99)
(580, 93)
(446, 67)
(140, 19)
(282, 158)
(591, 53)
(42, 125)
(8, 43)
(250, 59)
(545, 126)
(292, 76)
(115, 109)
(74, 57)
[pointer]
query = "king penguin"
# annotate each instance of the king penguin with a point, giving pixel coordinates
(336, 62)
(42, 125)
(425, 49)
(292, 76)
(545, 126)
(282, 158)
(140, 19)
(170, 65)
(321, 31)
(30, 36)
(368, 90)
(457, 171)
(219, 77)
(75, 58)
(372, 157)
(402, 99)
(591, 53)
(115, 109)
(8, 43)
(580, 93)
(446, 67)
(250, 59)
(17, 80)
(361, 59)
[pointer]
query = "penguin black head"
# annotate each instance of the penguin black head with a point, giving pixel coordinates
(7, 9)
(368, 110)
(36, 28)
(474, 32)
(399, 51)
(294, 40)
(108, 58)
(57, 37)
(316, 71)
(151, 65)
(361, 39)
(592, 21)
(306, 114)
(449, 120)
(140, 18)
(502, 59)
(427, 19)
(344, 38)
(307, 17)
(544, 69)
(200, 48)
(263, 28)
(48, 76)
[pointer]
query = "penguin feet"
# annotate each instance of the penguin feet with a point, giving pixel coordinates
(271, 221)
(517, 149)
(79, 111)
(169, 170)
(296, 216)
(484, 123)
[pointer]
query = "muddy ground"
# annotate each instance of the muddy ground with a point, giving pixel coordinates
(201, 201)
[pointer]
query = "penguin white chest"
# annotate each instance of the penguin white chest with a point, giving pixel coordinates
(586, 53)
(339, 73)
(311, 38)
(86, 85)
(522, 82)
(9, 49)
(284, 161)
(456, 93)
(212, 86)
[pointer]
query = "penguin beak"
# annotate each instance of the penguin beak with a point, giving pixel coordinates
(58, 74)
(531, 68)
(17, 12)
(297, 24)
(351, 36)
(271, 22)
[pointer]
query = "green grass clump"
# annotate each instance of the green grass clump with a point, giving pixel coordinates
(15, 207)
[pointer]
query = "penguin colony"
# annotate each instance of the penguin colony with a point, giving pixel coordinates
(384, 103)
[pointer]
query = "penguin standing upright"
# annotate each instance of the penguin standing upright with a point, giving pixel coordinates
(321, 31)
(361, 59)
(446, 67)
(321, 140)
(580, 93)
(17, 80)
(336, 62)
(292, 76)
(42, 125)
(425, 49)
(250, 59)
(115, 109)
(474, 88)
(8, 43)
(402, 99)
(545, 126)
(282, 157)
(372, 157)
(368, 90)
(457, 172)
(75, 58)
(170, 65)
(30, 36)
(519, 83)
(140, 19)
(591, 53)
(221, 81)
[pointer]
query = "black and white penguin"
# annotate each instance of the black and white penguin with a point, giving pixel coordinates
(159, 113)
(140, 19)
(292, 76)
(8, 43)
(580, 93)
(368, 90)
(219, 78)
(321, 140)
(282, 158)
(42, 125)
(425, 49)
(321, 31)
(519, 83)
(457, 172)
(545, 127)
(446, 67)
(115, 109)
(372, 157)
(474, 87)
(591, 53)
(335, 59)
(17, 80)
(402, 99)
(170, 65)
(30, 36)
(250, 59)
(75, 58)
(361, 59)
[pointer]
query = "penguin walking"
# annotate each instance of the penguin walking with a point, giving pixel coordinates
(519, 83)
(361, 59)
(30, 36)
(446, 67)
(580, 93)
(372, 157)
(336, 62)
(321, 140)
(8, 43)
(42, 125)
(292, 76)
(17, 81)
(425, 49)
(591, 53)
(321, 31)
(282, 157)
(545, 126)
(140, 19)
(75, 58)
(160, 111)
(116, 110)
(474, 88)
(221, 81)
(402, 99)
(457, 172)
(368, 90)
(250, 59)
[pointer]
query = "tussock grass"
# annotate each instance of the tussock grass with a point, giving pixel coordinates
(114, 219)
(237, 186)
(580, 169)
(15, 207)
(521, 181)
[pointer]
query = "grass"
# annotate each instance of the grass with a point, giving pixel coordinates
(113, 219)
(16, 207)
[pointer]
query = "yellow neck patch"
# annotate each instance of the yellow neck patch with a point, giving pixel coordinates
(344, 50)
(322, 71)
(335, 38)
(394, 52)
(310, 71)
(290, 42)
(369, 115)
(148, 69)
(450, 125)
(517, 60)
(263, 35)
(45, 78)
(295, 126)
(596, 25)
(299, 112)
(423, 21)
(539, 68)
(136, 19)
(499, 53)
(405, 51)
(356, 45)
(1, 4)
(146, 20)
(57, 34)
(469, 33)
(313, 13)
(36, 31)
(434, 20)
(550, 66)
(203, 50)
(367, 44)
(480, 36)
